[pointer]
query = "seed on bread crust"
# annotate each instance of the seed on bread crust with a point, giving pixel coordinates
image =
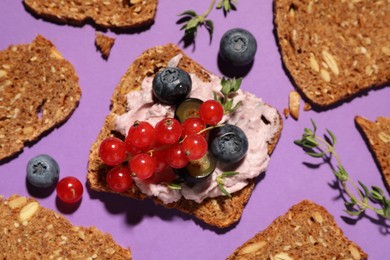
(28, 211)
(17, 202)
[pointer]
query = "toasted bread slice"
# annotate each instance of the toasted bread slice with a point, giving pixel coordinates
(306, 231)
(104, 44)
(39, 89)
(221, 211)
(106, 14)
(334, 50)
(377, 135)
(30, 231)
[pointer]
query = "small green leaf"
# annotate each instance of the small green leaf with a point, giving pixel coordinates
(314, 126)
(386, 213)
(354, 213)
(315, 155)
(229, 174)
(223, 190)
(366, 190)
(193, 23)
(333, 137)
(341, 174)
(174, 186)
(188, 12)
(349, 204)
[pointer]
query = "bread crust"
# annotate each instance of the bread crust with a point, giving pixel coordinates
(306, 231)
(30, 231)
(106, 14)
(39, 91)
(334, 51)
(377, 135)
(221, 211)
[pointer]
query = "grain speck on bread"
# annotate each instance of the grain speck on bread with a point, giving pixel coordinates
(39, 89)
(306, 231)
(221, 211)
(334, 50)
(30, 231)
(113, 14)
(377, 135)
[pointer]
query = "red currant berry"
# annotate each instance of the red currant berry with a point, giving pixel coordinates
(112, 151)
(193, 125)
(211, 112)
(161, 162)
(142, 165)
(69, 190)
(133, 150)
(167, 176)
(176, 157)
(194, 146)
(141, 135)
(119, 178)
(168, 131)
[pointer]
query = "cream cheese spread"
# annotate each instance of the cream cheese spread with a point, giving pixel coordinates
(249, 117)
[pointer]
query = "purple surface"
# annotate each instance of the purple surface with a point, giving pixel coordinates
(153, 232)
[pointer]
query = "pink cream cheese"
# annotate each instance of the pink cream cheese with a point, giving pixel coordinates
(248, 117)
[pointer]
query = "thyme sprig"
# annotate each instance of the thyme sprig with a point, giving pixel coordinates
(360, 197)
(192, 20)
(221, 181)
(228, 90)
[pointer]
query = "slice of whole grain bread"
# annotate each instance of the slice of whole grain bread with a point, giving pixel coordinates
(334, 49)
(116, 14)
(30, 231)
(305, 231)
(221, 211)
(38, 90)
(377, 135)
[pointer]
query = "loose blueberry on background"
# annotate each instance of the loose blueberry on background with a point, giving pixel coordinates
(238, 47)
(42, 171)
(172, 85)
(228, 143)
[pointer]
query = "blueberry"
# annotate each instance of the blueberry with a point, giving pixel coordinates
(238, 47)
(172, 85)
(42, 171)
(228, 143)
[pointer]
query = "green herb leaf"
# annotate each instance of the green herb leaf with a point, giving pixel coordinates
(365, 189)
(229, 87)
(223, 190)
(325, 147)
(227, 5)
(188, 13)
(229, 174)
(353, 213)
(315, 155)
(314, 126)
(333, 137)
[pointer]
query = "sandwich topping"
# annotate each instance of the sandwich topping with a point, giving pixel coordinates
(221, 145)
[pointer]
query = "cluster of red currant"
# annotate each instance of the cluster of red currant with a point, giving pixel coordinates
(150, 153)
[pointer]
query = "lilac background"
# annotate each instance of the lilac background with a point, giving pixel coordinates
(153, 232)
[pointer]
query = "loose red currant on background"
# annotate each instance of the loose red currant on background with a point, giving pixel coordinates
(194, 146)
(161, 162)
(176, 157)
(168, 131)
(211, 112)
(142, 165)
(141, 135)
(112, 151)
(119, 178)
(193, 125)
(69, 190)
